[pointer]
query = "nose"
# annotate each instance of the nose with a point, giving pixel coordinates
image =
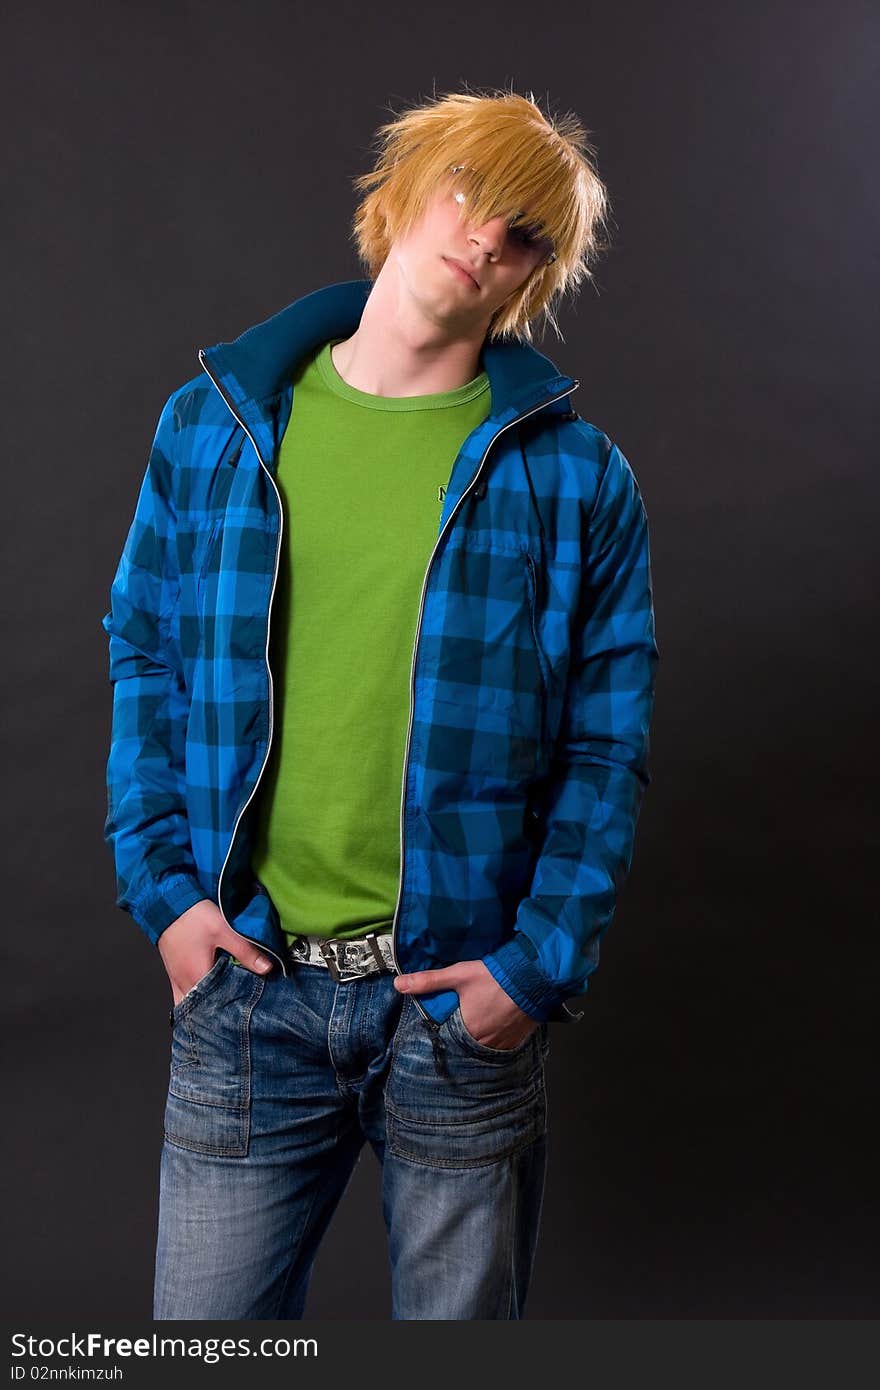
(491, 236)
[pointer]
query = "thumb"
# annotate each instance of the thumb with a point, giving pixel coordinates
(249, 954)
(421, 981)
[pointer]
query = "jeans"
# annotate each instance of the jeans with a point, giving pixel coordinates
(276, 1082)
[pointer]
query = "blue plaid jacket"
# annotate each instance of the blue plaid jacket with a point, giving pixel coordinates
(531, 686)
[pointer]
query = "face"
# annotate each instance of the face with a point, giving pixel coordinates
(461, 273)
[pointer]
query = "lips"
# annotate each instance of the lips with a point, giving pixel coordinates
(460, 265)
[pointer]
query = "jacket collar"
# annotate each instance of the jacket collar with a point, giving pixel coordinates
(253, 371)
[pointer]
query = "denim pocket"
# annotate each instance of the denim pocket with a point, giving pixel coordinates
(482, 1106)
(462, 1034)
(209, 1088)
(200, 988)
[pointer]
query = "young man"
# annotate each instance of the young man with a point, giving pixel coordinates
(376, 840)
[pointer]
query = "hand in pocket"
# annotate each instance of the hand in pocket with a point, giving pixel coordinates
(189, 946)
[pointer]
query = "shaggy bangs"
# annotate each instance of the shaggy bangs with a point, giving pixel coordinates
(511, 160)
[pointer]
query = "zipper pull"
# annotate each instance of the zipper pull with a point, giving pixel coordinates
(433, 1028)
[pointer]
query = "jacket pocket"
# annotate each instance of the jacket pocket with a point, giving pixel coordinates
(205, 562)
(532, 591)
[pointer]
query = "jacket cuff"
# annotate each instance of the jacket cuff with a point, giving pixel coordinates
(165, 901)
(527, 986)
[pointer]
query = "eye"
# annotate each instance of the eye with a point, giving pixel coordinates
(527, 236)
(530, 238)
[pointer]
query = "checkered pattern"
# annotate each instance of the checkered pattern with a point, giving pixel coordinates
(532, 688)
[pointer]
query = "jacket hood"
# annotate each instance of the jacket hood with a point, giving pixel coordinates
(253, 371)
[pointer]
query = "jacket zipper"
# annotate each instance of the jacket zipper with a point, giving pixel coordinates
(243, 808)
(425, 1015)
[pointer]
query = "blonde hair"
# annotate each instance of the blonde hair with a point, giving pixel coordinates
(522, 158)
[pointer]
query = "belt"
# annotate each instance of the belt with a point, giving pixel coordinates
(346, 959)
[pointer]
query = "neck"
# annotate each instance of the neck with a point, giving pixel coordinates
(397, 350)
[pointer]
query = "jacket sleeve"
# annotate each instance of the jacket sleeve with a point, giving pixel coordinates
(599, 770)
(146, 823)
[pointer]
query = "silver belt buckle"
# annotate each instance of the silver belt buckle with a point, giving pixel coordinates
(362, 949)
(330, 960)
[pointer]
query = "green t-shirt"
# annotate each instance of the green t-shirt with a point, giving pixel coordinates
(362, 479)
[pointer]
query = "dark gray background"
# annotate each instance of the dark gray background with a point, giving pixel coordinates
(178, 172)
